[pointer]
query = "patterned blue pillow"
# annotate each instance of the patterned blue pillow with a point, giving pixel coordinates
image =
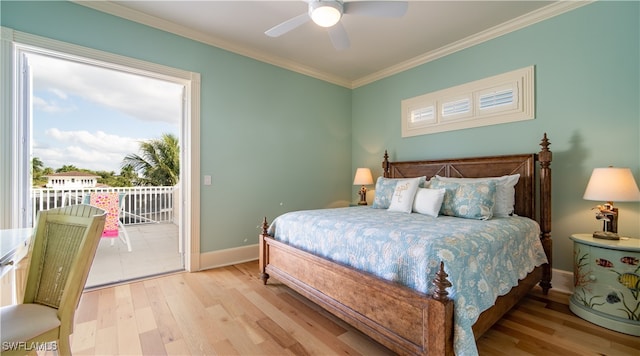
(505, 191)
(467, 200)
(385, 188)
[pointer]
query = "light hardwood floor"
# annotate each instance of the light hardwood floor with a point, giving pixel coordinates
(228, 311)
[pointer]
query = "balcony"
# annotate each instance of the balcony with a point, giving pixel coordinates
(151, 220)
(142, 205)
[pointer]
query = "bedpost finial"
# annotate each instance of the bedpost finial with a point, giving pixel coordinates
(545, 154)
(545, 143)
(265, 226)
(441, 283)
(385, 164)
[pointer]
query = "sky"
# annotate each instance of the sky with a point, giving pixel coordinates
(92, 117)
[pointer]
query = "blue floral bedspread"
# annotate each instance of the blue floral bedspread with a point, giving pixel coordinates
(484, 259)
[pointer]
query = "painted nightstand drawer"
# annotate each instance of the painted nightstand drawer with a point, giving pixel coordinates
(607, 282)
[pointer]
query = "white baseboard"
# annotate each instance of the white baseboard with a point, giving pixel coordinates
(231, 256)
(561, 281)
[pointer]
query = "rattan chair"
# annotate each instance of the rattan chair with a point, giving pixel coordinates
(61, 253)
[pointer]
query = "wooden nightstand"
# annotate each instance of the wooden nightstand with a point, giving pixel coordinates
(606, 276)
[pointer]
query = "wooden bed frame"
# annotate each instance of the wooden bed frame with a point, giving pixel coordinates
(406, 321)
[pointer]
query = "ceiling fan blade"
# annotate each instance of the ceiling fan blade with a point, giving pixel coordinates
(288, 25)
(376, 8)
(339, 37)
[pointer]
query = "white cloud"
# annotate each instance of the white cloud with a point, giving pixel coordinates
(59, 93)
(98, 141)
(147, 99)
(83, 149)
(50, 106)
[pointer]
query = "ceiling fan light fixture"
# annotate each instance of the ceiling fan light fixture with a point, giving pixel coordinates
(325, 13)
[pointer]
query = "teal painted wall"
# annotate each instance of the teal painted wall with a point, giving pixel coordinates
(273, 140)
(587, 99)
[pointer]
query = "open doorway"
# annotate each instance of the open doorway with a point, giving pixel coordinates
(99, 129)
(16, 202)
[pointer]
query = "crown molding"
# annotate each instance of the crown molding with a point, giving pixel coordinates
(518, 23)
(539, 15)
(183, 31)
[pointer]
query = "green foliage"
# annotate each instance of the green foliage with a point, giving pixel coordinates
(70, 168)
(125, 179)
(37, 171)
(158, 164)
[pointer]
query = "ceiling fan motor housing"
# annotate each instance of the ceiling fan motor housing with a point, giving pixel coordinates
(325, 13)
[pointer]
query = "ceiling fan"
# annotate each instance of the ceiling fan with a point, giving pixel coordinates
(327, 13)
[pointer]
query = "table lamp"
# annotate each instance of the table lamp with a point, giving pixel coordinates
(610, 184)
(363, 177)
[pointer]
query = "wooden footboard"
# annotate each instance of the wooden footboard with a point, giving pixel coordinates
(403, 320)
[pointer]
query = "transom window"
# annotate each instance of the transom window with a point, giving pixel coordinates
(503, 98)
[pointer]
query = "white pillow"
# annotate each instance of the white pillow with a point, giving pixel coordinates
(505, 191)
(428, 201)
(402, 198)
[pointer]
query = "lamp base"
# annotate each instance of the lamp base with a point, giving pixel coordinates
(606, 235)
(363, 196)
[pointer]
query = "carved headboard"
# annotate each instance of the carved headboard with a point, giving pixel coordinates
(494, 166)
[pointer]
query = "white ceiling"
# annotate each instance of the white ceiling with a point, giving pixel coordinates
(379, 46)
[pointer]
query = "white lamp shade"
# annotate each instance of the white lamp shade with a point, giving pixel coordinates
(612, 185)
(363, 177)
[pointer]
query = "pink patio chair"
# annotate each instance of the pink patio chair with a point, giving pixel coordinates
(113, 204)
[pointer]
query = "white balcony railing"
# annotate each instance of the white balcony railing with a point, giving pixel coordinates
(142, 205)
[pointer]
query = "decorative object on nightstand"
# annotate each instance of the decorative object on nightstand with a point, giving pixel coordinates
(363, 177)
(610, 184)
(606, 278)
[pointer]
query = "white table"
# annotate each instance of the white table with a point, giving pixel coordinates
(14, 245)
(11, 242)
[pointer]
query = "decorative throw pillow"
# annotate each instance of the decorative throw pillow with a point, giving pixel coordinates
(403, 195)
(428, 201)
(384, 190)
(467, 200)
(505, 191)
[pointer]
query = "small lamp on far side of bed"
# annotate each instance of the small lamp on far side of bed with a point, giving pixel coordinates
(363, 177)
(610, 184)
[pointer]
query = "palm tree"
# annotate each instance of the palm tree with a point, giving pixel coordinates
(36, 164)
(67, 168)
(36, 167)
(128, 172)
(158, 163)
(37, 171)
